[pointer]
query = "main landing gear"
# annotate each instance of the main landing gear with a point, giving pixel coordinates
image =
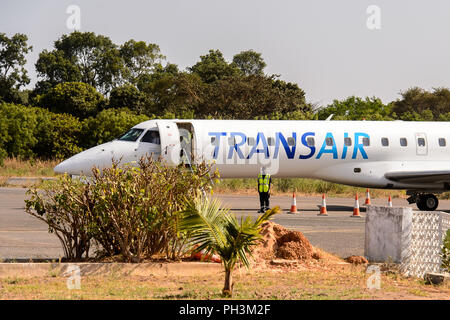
(425, 202)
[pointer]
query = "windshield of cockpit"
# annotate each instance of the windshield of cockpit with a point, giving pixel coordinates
(132, 135)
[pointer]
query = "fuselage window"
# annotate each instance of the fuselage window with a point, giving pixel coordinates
(270, 141)
(151, 136)
(310, 142)
(291, 141)
(213, 140)
(421, 142)
(131, 135)
(348, 142)
(329, 142)
(385, 142)
(366, 142)
(403, 142)
(251, 141)
(442, 142)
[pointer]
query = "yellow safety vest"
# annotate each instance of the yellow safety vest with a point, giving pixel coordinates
(263, 183)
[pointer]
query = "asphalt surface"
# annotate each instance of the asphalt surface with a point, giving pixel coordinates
(23, 237)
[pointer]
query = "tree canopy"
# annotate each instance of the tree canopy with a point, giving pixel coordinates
(250, 62)
(12, 61)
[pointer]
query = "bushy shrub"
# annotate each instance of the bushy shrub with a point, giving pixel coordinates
(128, 96)
(28, 132)
(76, 98)
(108, 125)
(17, 130)
(66, 207)
(131, 211)
(58, 135)
(446, 252)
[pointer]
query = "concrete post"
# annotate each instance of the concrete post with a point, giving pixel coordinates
(388, 234)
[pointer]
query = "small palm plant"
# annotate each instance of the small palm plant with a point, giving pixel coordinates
(214, 230)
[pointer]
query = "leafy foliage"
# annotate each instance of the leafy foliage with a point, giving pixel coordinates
(213, 67)
(12, 60)
(128, 96)
(215, 230)
(127, 210)
(81, 56)
(66, 207)
(417, 103)
(58, 135)
(17, 127)
(108, 125)
(75, 98)
(139, 59)
(356, 108)
(250, 62)
(446, 252)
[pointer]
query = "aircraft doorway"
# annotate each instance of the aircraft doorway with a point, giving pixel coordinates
(421, 144)
(187, 142)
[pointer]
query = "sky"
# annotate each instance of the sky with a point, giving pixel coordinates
(331, 49)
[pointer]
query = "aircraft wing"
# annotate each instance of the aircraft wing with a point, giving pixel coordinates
(428, 176)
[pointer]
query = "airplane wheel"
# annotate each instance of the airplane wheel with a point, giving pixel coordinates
(427, 202)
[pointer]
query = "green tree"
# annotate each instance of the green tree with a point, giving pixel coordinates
(28, 132)
(247, 97)
(128, 96)
(81, 56)
(54, 67)
(216, 231)
(140, 59)
(17, 127)
(177, 93)
(356, 108)
(58, 135)
(108, 125)
(415, 101)
(75, 98)
(12, 60)
(213, 67)
(445, 254)
(250, 62)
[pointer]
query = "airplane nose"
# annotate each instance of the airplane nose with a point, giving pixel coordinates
(63, 167)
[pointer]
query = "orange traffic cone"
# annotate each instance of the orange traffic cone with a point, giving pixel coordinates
(390, 201)
(367, 198)
(293, 204)
(323, 207)
(356, 208)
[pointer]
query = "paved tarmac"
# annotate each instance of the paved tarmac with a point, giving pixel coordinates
(24, 237)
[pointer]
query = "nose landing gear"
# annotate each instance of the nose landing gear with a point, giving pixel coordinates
(425, 202)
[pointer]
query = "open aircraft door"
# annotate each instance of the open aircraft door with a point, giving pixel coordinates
(421, 144)
(170, 142)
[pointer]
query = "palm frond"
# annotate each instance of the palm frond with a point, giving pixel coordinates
(204, 219)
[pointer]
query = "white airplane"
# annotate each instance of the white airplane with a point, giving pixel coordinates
(413, 156)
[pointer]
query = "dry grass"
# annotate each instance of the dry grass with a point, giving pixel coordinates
(302, 187)
(13, 167)
(316, 283)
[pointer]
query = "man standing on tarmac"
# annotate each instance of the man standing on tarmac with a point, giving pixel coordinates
(264, 182)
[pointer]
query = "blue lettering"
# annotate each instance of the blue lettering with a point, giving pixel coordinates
(217, 135)
(237, 145)
(290, 152)
(324, 149)
(265, 149)
(359, 146)
(305, 143)
(344, 150)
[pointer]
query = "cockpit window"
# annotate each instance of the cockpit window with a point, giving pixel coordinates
(151, 136)
(132, 135)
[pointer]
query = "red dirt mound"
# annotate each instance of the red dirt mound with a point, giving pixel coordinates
(356, 260)
(279, 242)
